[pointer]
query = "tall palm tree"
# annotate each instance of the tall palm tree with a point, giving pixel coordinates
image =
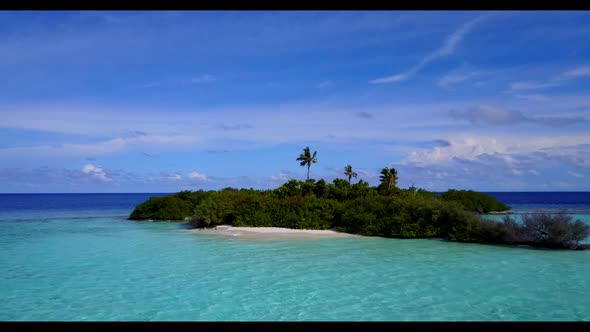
(306, 159)
(388, 177)
(348, 172)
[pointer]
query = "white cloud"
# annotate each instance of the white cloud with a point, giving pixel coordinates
(136, 143)
(334, 123)
(179, 82)
(532, 85)
(282, 176)
(394, 78)
(487, 114)
(558, 80)
(534, 97)
(575, 174)
(447, 48)
(95, 171)
(578, 72)
(497, 164)
(175, 177)
(198, 176)
(506, 148)
(184, 129)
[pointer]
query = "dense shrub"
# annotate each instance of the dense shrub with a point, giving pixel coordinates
(407, 217)
(360, 209)
(220, 207)
(257, 210)
(320, 188)
(289, 189)
(474, 201)
(552, 230)
(177, 206)
(557, 231)
(162, 208)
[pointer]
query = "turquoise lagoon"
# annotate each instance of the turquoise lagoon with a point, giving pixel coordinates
(70, 259)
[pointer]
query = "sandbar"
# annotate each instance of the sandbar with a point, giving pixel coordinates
(271, 232)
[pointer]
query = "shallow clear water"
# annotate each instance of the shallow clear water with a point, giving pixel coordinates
(110, 268)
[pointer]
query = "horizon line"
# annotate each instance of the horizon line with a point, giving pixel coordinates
(110, 193)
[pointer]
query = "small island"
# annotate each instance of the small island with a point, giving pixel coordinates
(360, 209)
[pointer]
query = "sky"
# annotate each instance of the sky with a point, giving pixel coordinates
(162, 101)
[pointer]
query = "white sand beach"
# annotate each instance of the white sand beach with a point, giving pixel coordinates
(271, 232)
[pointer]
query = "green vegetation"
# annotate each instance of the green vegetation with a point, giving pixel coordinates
(306, 159)
(349, 172)
(178, 206)
(475, 201)
(388, 180)
(555, 231)
(385, 211)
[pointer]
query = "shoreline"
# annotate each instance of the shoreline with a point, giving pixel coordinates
(271, 232)
(499, 212)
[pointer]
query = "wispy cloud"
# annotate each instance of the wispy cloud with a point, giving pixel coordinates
(283, 175)
(487, 114)
(533, 85)
(534, 172)
(558, 80)
(197, 176)
(227, 127)
(284, 122)
(535, 97)
(216, 151)
(363, 115)
(112, 146)
(456, 77)
(342, 123)
(575, 174)
(181, 81)
(578, 72)
(175, 177)
(447, 48)
(83, 38)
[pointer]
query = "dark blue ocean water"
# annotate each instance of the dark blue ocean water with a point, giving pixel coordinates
(550, 198)
(23, 202)
(49, 206)
(523, 202)
(124, 203)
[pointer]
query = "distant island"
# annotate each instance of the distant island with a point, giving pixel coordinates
(384, 210)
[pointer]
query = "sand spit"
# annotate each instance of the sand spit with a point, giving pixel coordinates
(271, 232)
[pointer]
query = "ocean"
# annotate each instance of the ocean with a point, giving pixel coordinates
(75, 257)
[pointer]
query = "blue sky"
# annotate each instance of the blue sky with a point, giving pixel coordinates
(165, 101)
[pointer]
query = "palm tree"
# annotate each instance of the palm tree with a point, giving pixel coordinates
(388, 177)
(307, 159)
(348, 172)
